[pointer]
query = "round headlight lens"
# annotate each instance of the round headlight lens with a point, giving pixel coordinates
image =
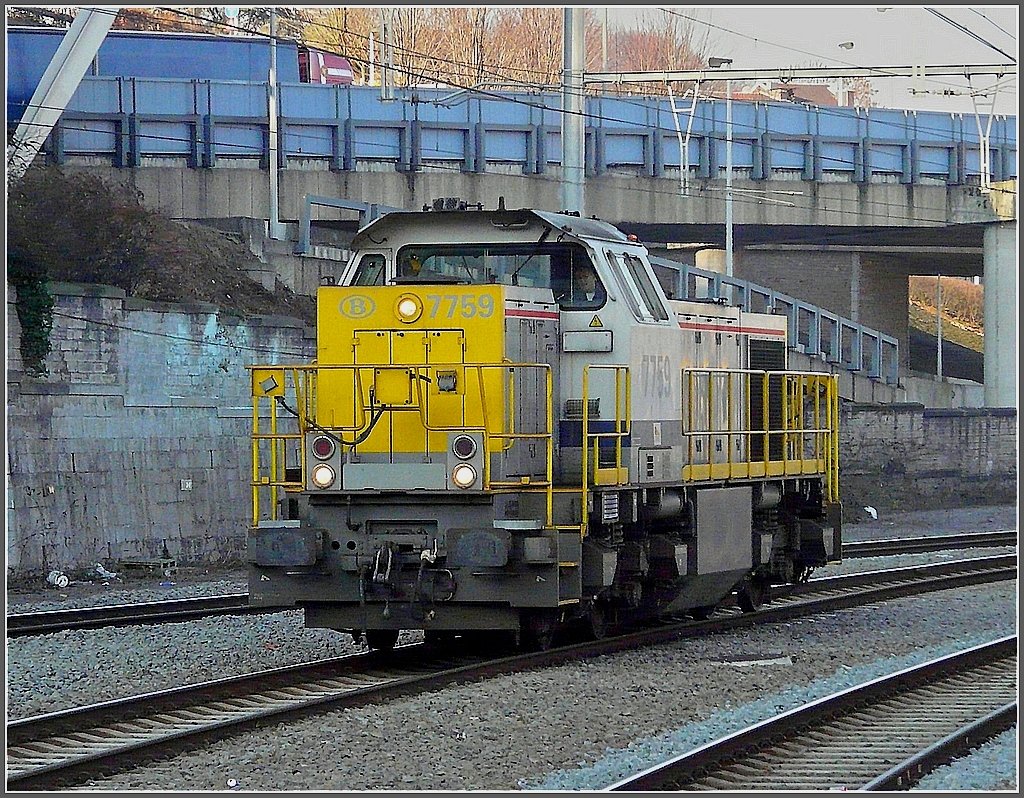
(322, 475)
(463, 475)
(323, 447)
(463, 447)
(408, 308)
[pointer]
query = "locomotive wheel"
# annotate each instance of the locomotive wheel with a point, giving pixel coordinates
(597, 621)
(538, 631)
(752, 595)
(381, 639)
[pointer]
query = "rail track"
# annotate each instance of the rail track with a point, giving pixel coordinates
(67, 747)
(892, 546)
(35, 623)
(918, 718)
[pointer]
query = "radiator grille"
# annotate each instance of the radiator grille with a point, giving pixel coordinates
(766, 356)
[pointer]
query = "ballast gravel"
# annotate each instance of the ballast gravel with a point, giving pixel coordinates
(586, 725)
(991, 766)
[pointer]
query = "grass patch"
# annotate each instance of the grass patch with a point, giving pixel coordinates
(923, 319)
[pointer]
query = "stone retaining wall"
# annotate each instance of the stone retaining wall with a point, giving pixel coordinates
(138, 436)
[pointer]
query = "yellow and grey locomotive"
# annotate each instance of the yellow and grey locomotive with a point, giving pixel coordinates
(509, 426)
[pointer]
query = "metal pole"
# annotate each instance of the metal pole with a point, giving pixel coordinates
(372, 77)
(686, 141)
(728, 178)
(274, 223)
(938, 327)
(573, 133)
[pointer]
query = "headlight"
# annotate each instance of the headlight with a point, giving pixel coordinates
(322, 475)
(408, 308)
(323, 447)
(463, 447)
(463, 475)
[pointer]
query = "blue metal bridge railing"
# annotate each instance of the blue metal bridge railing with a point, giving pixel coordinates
(207, 122)
(813, 331)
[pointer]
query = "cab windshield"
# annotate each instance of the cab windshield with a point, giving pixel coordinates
(566, 269)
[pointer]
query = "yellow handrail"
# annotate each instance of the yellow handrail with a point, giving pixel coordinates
(304, 385)
(623, 416)
(807, 448)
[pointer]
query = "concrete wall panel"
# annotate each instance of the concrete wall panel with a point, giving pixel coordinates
(906, 457)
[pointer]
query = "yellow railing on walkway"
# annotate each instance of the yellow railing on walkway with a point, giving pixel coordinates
(774, 423)
(489, 408)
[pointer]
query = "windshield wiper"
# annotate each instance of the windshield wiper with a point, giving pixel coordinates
(541, 240)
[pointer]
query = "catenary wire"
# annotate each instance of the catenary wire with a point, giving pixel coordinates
(359, 59)
(992, 22)
(969, 32)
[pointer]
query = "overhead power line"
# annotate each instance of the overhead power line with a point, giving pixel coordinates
(757, 40)
(800, 73)
(993, 23)
(494, 95)
(969, 32)
(547, 109)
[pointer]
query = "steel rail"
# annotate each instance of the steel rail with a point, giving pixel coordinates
(954, 745)
(848, 740)
(53, 750)
(927, 543)
(34, 623)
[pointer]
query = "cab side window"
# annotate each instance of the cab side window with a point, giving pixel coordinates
(575, 282)
(370, 270)
(646, 286)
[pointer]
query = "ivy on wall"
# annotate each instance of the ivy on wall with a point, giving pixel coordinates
(35, 310)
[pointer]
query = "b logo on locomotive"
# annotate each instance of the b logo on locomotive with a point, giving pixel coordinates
(357, 307)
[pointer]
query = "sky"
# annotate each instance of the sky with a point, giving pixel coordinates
(788, 36)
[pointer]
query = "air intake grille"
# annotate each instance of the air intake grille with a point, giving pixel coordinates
(767, 355)
(574, 408)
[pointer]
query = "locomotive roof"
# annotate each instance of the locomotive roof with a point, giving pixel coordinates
(479, 226)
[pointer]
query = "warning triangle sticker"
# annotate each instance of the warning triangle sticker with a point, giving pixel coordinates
(596, 322)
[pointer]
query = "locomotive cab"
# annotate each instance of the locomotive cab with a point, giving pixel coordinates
(509, 426)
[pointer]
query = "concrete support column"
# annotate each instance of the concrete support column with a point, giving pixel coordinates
(855, 287)
(883, 298)
(1000, 283)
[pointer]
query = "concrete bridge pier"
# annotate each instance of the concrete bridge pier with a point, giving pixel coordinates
(1000, 280)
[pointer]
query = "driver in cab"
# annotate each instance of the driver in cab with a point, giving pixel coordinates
(586, 291)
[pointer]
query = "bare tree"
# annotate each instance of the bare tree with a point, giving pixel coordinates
(464, 39)
(35, 16)
(658, 42)
(528, 45)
